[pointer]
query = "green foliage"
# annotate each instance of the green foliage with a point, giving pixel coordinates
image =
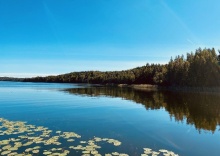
(11, 79)
(178, 71)
(204, 69)
(199, 69)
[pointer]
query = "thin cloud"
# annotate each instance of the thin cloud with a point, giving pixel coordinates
(181, 22)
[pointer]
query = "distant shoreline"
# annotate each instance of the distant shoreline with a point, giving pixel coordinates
(149, 87)
(199, 72)
(144, 87)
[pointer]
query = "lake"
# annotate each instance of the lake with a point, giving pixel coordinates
(82, 119)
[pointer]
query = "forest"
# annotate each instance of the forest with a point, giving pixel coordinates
(11, 79)
(198, 69)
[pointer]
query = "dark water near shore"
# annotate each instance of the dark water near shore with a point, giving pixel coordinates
(185, 123)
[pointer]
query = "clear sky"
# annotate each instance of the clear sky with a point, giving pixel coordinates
(43, 37)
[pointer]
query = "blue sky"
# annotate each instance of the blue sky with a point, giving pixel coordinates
(43, 37)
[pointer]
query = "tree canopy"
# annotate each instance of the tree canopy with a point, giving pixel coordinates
(199, 69)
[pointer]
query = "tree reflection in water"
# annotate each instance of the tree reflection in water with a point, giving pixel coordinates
(199, 109)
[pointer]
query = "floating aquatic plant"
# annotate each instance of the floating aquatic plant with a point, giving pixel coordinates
(148, 151)
(30, 140)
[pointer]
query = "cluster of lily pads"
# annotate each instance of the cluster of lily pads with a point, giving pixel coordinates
(148, 151)
(22, 139)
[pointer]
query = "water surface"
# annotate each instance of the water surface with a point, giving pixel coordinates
(185, 123)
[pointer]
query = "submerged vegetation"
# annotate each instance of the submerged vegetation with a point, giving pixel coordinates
(199, 69)
(24, 139)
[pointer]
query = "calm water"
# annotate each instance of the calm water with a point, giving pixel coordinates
(185, 123)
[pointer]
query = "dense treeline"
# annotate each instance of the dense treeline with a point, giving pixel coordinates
(199, 69)
(11, 79)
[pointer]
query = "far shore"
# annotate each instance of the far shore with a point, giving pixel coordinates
(144, 87)
(149, 87)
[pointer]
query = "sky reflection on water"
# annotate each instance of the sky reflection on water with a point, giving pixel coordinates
(187, 124)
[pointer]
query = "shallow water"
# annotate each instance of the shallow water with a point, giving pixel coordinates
(185, 123)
